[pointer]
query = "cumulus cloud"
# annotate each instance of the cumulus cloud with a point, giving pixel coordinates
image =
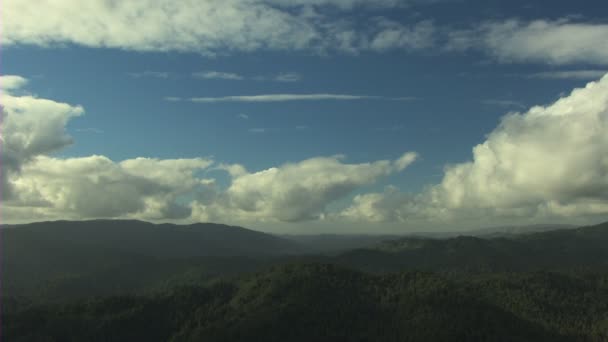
(296, 191)
(542, 41)
(30, 126)
(389, 206)
(47, 187)
(36, 185)
(550, 154)
(97, 187)
(209, 27)
(12, 82)
(549, 162)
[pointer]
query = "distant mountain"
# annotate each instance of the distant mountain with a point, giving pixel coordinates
(335, 243)
(508, 231)
(107, 256)
(492, 232)
(54, 261)
(585, 247)
(147, 239)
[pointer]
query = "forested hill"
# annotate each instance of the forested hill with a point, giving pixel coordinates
(61, 280)
(320, 302)
(66, 260)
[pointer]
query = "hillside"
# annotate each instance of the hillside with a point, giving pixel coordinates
(51, 259)
(320, 302)
(52, 262)
(157, 240)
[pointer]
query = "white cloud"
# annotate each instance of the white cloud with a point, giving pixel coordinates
(155, 25)
(96, 187)
(31, 126)
(547, 163)
(288, 77)
(344, 4)
(149, 73)
(172, 173)
(208, 27)
(541, 41)
(230, 76)
(12, 82)
(37, 186)
(554, 153)
(405, 160)
(393, 35)
(294, 192)
(218, 75)
(389, 206)
(570, 74)
(45, 187)
(283, 98)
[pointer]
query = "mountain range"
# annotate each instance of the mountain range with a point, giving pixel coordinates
(108, 280)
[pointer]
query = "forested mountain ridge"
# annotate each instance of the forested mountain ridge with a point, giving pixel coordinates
(157, 240)
(67, 284)
(79, 258)
(322, 302)
(60, 260)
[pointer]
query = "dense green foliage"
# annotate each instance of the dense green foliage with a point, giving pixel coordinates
(320, 302)
(63, 284)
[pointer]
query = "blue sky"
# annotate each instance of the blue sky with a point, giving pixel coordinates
(430, 77)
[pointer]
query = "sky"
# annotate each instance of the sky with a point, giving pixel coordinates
(306, 116)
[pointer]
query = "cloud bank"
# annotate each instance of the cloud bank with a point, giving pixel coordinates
(541, 41)
(208, 27)
(39, 186)
(296, 191)
(220, 27)
(549, 162)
